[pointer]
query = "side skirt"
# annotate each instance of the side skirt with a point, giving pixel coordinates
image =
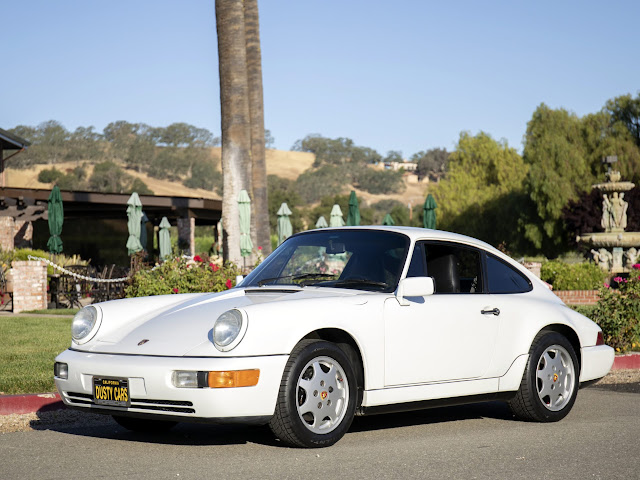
(440, 402)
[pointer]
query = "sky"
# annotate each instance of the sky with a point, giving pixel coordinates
(391, 75)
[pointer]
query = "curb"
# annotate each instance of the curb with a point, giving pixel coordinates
(629, 361)
(42, 402)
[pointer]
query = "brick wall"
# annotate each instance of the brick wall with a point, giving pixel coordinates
(29, 285)
(578, 297)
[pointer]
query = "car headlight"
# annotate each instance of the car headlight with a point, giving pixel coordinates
(228, 330)
(85, 324)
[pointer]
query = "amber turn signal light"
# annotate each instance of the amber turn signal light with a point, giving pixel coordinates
(234, 378)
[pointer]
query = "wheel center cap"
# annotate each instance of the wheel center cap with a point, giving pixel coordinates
(323, 395)
(555, 377)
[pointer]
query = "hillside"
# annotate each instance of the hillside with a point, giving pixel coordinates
(285, 164)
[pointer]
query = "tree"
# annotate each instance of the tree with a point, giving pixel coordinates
(626, 110)
(335, 151)
(431, 163)
(260, 205)
(236, 129)
(283, 190)
(559, 171)
(482, 194)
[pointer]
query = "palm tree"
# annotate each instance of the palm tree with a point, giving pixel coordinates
(260, 214)
(236, 132)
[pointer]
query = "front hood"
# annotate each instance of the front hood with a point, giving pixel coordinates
(172, 325)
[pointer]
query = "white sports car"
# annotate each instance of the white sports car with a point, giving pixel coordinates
(337, 323)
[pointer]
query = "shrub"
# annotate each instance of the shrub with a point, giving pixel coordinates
(578, 276)
(618, 312)
(181, 275)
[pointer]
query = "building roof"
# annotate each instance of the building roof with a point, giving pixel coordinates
(9, 141)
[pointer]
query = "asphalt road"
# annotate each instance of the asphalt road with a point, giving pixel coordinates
(600, 439)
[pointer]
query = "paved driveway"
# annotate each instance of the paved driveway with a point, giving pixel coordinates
(599, 439)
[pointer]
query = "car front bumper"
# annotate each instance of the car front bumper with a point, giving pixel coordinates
(153, 393)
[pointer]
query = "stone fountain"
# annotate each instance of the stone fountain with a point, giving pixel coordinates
(614, 250)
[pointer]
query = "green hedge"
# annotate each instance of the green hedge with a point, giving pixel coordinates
(618, 313)
(578, 276)
(179, 275)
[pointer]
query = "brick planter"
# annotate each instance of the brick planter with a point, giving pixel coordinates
(578, 297)
(29, 285)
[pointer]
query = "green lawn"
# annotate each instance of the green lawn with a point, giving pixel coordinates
(28, 346)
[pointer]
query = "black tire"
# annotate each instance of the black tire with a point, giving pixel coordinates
(143, 425)
(550, 382)
(310, 363)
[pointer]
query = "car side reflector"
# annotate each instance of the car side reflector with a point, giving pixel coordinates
(600, 339)
(234, 378)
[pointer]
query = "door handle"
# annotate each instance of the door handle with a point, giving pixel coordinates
(494, 311)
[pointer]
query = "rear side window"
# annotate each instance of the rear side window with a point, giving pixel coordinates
(503, 278)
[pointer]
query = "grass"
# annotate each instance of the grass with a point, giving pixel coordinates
(53, 311)
(28, 347)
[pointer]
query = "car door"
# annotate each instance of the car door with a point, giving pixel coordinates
(449, 335)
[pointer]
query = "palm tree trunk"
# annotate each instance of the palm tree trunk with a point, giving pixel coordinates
(260, 214)
(235, 125)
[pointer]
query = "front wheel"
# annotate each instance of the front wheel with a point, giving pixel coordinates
(317, 397)
(550, 382)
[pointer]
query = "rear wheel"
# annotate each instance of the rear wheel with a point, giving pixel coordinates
(550, 382)
(144, 425)
(317, 397)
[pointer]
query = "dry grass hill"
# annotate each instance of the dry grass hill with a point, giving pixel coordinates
(282, 163)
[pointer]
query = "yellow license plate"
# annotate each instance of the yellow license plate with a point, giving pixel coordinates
(111, 391)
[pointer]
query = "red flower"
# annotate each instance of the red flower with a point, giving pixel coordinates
(260, 248)
(609, 286)
(197, 258)
(617, 279)
(214, 267)
(637, 266)
(175, 290)
(229, 284)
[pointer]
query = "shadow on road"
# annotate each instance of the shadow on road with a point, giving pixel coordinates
(101, 426)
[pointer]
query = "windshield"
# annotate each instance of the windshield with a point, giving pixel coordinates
(360, 259)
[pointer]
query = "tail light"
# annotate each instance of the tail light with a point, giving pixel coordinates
(600, 339)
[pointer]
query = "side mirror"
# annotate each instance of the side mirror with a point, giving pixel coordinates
(414, 287)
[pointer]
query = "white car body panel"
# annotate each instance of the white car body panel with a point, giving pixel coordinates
(409, 354)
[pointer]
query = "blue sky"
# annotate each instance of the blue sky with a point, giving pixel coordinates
(402, 75)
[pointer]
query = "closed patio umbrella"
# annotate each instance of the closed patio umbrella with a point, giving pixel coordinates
(56, 218)
(336, 219)
(143, 230)
(244, 209)
(164, 240)
(134, 217)
(321, 223)
(353, 218)
(388, 220)
(285, 229)
(429, 212)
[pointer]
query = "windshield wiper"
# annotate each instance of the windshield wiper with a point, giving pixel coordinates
(300, 276)
(359, 281)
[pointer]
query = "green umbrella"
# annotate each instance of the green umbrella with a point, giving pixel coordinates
(164, 239)
(143, 230)
(244, 211)
(429, 212)
(134, 217)
(388, 220)
(336, 219)
(56, 218)
(353, 218)
(285, 230)
(321, 223)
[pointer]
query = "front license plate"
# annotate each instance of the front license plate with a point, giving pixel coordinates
(111, 391)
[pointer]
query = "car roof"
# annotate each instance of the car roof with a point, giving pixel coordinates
(417, 233)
